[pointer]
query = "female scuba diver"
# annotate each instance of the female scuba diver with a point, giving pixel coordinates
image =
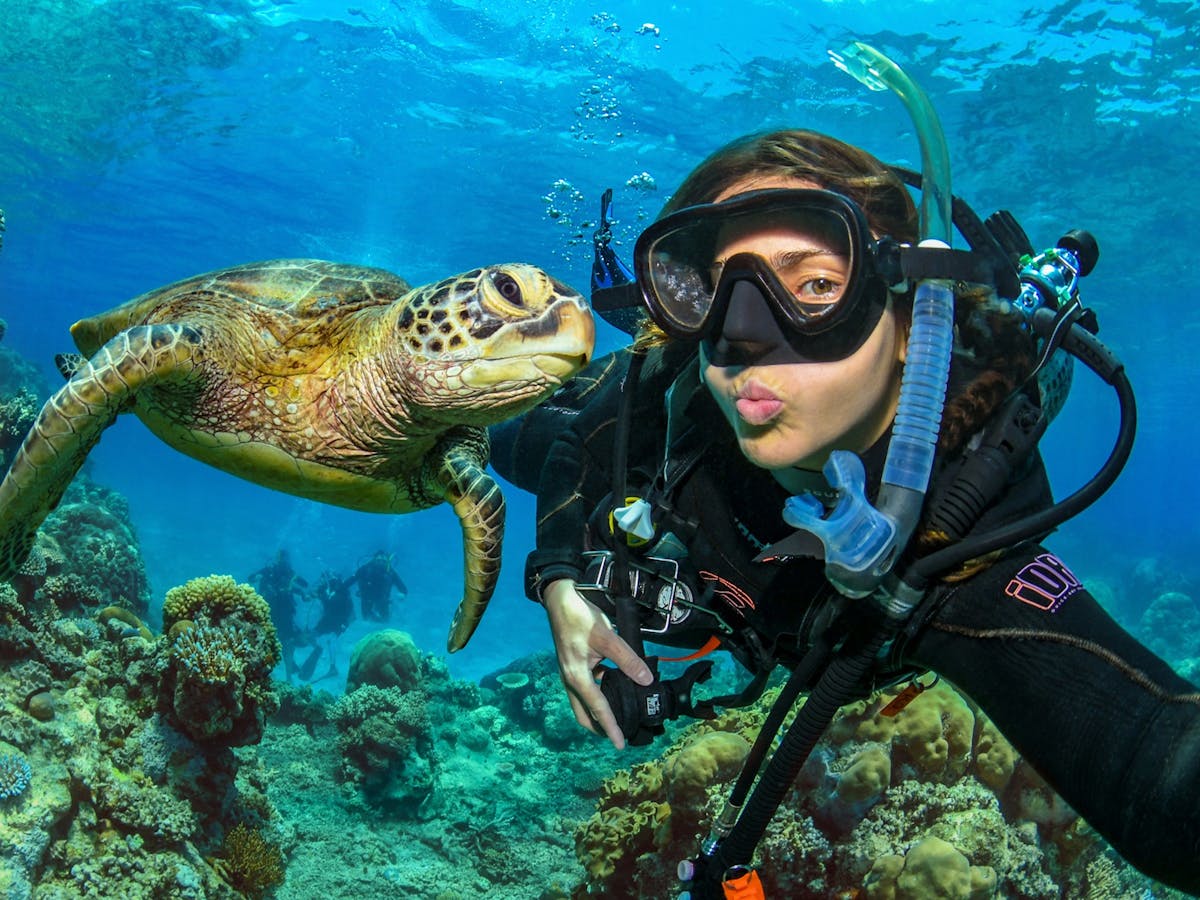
(779, 281)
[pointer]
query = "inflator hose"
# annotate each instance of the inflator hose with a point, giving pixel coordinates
(841, 683)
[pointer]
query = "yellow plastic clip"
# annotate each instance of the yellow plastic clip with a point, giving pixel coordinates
(634, 520)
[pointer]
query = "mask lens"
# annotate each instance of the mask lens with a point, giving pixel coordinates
(809, 252)
(806, 240)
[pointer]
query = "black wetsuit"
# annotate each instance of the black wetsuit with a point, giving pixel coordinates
(1109, 725)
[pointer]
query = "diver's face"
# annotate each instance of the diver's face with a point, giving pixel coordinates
(792, 415)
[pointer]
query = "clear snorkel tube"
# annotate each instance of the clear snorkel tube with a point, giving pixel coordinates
(862, 542)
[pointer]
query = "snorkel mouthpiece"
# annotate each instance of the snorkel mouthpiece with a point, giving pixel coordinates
(862, 542)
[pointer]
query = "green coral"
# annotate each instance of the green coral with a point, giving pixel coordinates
(387, 745)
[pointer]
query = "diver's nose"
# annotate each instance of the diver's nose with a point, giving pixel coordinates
(747, 332)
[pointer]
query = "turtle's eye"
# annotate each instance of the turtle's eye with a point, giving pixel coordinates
(508, 287)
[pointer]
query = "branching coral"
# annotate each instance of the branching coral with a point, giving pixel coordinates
(216, 597)
(387, 745)
(222, 647)
(251, 864)
(210, 654)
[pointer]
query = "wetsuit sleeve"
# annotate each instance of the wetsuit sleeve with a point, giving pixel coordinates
(1108, 724)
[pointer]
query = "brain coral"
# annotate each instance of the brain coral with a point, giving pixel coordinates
(387, 658)
(933, 868)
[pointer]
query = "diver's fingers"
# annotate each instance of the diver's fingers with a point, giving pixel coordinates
(607, 644)
(581, 713)
(593, 706)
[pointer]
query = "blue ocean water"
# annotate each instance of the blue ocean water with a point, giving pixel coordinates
(144, 140)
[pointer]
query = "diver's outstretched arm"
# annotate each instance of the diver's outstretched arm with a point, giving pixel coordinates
(1110, 726)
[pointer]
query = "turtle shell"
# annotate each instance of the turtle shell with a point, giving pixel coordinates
(303, 289)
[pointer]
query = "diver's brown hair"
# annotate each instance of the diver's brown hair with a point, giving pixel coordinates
(808, 156)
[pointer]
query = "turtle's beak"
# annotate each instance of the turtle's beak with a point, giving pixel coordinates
(567, 330)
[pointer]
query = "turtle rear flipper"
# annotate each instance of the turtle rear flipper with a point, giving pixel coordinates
(71, 422)
(479, 505)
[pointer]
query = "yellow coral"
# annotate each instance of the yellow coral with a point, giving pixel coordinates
(935, 869)
(216, 595)
(868, 775)
(934, 732)
(995, 757)
(252, 864)
(703, 760)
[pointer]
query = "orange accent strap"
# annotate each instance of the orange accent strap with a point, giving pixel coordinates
(710, 645)
(911, 692)
(744, 887)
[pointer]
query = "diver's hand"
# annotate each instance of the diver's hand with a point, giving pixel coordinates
(583, 637)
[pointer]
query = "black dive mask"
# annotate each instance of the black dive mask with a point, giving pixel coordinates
(747, 323)
(785, 275)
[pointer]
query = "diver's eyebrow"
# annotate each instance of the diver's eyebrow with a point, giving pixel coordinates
(786, 258)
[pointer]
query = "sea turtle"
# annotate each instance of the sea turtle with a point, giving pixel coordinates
(334, 382)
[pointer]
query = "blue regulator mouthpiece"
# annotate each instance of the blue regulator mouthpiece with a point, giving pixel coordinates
(861, 542)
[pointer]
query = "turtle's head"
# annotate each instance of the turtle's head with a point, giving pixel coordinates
(493, 342)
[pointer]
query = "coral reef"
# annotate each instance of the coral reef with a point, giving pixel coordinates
(93, 559)
(118, 801)
(217, 684)
(930, 802)
(386, 743)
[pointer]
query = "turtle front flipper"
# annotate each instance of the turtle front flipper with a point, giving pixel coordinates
(71, 422)
(479, 505)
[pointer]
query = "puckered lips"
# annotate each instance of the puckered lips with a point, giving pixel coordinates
(756, 404)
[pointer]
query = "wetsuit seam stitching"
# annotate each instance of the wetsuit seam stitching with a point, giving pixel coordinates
(1132, 673)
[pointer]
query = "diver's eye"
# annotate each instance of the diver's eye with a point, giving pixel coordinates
(818, 287)
(816, 296)
(508, 287)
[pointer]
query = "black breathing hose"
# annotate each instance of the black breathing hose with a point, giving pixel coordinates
(840, 684)
(1083, 345)
(802, 675)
